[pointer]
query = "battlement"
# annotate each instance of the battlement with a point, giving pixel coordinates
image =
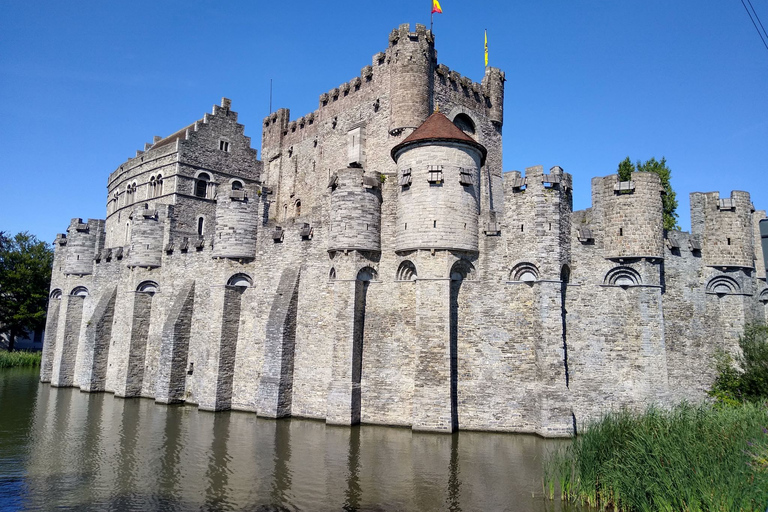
(515, 182)
(403, 34)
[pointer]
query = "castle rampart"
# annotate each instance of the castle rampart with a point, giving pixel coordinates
(291, 286)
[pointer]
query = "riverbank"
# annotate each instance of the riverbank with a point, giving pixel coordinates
(690, 458)
(20, 359)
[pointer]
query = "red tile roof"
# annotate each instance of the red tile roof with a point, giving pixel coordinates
(438, 128)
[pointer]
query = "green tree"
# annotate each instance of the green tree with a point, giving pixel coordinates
(25, 275)
(744, 377)
(658, 167)
(626, 168)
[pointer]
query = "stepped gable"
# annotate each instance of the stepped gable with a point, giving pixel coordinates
(172, 138)
(438, 128)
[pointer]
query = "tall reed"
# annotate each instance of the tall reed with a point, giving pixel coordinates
(19, 359)
(690, 458)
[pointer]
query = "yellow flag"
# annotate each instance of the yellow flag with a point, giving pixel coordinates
(436, 7)
(486, 48)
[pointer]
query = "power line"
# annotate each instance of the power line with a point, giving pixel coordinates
(755, 24)
(757, 18)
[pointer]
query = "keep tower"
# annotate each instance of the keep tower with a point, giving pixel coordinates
(412, 60)
(439, 180)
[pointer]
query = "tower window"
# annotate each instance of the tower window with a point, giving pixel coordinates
(200, 226)
(201, 186)
(224, 145)
(405, 177)
(435, 174)
(465, 176)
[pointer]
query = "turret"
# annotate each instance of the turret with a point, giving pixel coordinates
(632, 215)
(439, 181)
(146, 237)
(237, 220)
(83, 240)
(725, 228)
(355, 211)
(412, 60)
(275, 126)
(537, 222)
(493, 85)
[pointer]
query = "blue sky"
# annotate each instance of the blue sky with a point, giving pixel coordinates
(84, 84)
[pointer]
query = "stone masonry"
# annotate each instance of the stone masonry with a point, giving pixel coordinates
(376, 266)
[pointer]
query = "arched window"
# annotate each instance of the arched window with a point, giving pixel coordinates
(298, 208)
(525, 272)
(159, 185)
(332, 274)
(201, 185)
(723, 285)
(240, 280)
(461, 270)
(367, 274)
(464, 123)
(79, 291)
(623, 276)
(406, 271)
(152, 186)
(200, 226)
(149, 287)
(55, 294)
(127, 233)
(237, 185)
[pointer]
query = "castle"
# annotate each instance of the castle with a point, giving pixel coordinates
(376, 266)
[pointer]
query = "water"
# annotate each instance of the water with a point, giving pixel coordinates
(63, 448)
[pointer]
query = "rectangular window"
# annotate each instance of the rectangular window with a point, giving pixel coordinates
(224, 145)
(405, 178)
(465, 176)
(435, 174)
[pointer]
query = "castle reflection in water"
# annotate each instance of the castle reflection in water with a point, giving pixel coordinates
(92, 451)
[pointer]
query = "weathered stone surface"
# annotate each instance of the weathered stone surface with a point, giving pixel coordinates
(316, 282)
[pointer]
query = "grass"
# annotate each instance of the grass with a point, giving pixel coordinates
(19, 359)
(690, 458)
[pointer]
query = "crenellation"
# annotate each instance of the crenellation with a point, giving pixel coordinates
(377, 266)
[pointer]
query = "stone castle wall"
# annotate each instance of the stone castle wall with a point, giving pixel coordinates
(303, 293)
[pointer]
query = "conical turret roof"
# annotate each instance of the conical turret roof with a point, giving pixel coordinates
(438, 128)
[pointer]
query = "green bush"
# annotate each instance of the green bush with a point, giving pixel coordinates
(690, 458)
(19, 359)
(744, 377)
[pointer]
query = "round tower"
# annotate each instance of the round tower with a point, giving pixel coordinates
(538, 210)
(82, 241)
(146, 238)
(725, 228)
(355, 211)
(412, 58)
(237, 221)
(632, 215)
(439, 181)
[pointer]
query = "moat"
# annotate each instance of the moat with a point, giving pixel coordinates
(63, 448)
